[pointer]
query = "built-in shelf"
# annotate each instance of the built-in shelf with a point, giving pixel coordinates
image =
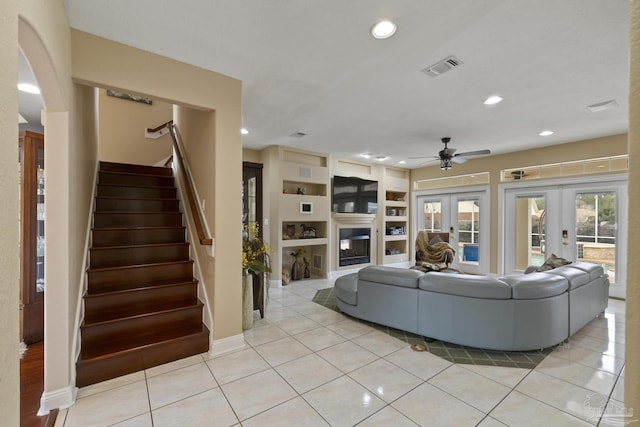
(300, 208)
(395, 220)
(304, 242)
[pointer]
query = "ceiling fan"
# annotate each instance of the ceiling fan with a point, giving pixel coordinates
(447, 156)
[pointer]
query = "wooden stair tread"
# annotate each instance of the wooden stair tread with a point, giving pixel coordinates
(139, 312)
(111, 184)
(132, 174)
(139, 227)
(123, 267)
(143, 246)
(129, 167)
(159, 337)
(140, 288)
(132, 287)
(160, 199)
(136, 213)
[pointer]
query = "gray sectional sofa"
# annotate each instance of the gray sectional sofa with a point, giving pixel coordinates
(514, 312)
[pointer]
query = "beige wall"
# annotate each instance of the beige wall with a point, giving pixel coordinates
(9, 338)
(592, 148)
(197, 130)
(632, 373)
(40, 29)
(249, 155)
(121, 131)
(103, 63)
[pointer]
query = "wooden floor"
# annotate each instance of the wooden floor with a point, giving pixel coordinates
(31, 387)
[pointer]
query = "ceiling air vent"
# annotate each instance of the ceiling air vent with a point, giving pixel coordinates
(601, 106)
(442, 66)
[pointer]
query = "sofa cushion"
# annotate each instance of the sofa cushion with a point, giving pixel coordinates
(391, 276)
(594, 270)
(574, 276)
(536, 285)
(465, 285)
(346, 288)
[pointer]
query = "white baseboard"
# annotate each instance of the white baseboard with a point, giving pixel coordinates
(275, 283)
(57, 399)
(226, 345)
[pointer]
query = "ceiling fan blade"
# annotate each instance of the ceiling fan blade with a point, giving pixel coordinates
(475, 153)
(457, 159)
(448, 151)
(424, 157)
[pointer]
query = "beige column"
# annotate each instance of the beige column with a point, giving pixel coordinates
(632, 370)
(9, 261)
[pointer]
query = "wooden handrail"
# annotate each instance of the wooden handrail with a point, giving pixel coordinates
(189, 189)
(162, 126)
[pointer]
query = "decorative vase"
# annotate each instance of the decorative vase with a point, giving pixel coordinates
(295, 270)
(307, 273)
(247, 301)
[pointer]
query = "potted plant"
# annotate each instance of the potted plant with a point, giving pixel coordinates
(254, 252)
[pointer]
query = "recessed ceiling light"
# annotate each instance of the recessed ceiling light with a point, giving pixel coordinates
(28, 88)
(365, 155)
(493, 100)
(383, 29)
(381, 158)
(244, 131)
(402, 162)
(546, 133)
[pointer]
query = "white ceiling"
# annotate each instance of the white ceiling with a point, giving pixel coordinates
(30, 105)
(312, 66)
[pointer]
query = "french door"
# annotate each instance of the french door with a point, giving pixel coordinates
(465, 216)
(579, 222)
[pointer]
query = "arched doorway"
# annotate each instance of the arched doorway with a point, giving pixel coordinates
(55, 118)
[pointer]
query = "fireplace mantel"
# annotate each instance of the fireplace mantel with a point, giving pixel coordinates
(354, 220)
(350, 218)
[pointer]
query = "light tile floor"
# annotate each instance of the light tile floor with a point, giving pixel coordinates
(307, 365)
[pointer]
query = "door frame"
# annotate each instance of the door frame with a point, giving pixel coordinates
(483, 193)
(574, 184)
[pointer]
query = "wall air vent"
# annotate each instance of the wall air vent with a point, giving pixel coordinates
(298, 134)
(442, 66)
(601, 106)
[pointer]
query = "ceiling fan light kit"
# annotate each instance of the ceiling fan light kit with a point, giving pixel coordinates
(447, 156)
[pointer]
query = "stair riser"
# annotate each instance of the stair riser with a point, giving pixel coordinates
(137, 237)
(104, 220)
(148, 298)
(103, 257)
(139, 329)
(111, 280)
(93, 371)
(132, 180)
(136, 192)
(136, 205)
(147, 170)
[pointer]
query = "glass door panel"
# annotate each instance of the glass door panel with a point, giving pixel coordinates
(530, 231)
(468, 220)
(39, 278)
(432, 215)
(595, 230)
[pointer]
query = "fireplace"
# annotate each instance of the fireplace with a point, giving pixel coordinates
(354, 246)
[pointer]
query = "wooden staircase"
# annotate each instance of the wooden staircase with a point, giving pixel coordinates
(141, 306)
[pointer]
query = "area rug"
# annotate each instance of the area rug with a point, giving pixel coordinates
(452, 352)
